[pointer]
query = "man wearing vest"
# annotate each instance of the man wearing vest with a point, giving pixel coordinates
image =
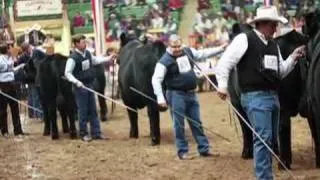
(175, 68)
(8, 86)
(260, 68)
(79, 71)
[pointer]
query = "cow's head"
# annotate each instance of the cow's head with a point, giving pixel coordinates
(26, 74)
(312, 21)
(125, 38)
(289, 41)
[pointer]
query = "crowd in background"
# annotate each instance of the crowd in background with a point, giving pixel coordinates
(158, 17)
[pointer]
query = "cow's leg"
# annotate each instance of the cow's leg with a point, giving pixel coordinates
(72, 118)
(314, 133)
(154, 118)
(47, 129)
(133, 117)
(103, 109)
(247, 151)
(64, 117)
(53, 121)
(285, 140)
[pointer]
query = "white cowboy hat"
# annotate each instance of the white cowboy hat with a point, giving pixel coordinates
(269, 13)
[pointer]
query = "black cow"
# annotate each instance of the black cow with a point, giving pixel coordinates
(289, 98)
(55, 93)
(47, 71)
(311, 28)
(137, 63)
(99, 85)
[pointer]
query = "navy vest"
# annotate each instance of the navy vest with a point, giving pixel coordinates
(83, 70)
(253, 75)
(176, 80)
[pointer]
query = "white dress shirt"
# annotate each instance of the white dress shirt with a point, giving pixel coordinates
(71, 64)
(160, 70)
(234, 53)
(6, 69)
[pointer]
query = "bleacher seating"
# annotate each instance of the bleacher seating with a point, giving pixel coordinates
(136, 11)
(83, 8)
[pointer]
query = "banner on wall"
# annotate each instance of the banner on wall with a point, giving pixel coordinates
(38, 7)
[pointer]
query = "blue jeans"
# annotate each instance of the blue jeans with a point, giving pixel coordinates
(87, 111)
(263, 111)
(185, 104)
(34, 101)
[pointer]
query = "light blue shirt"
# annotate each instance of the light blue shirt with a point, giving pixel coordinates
(6, 69)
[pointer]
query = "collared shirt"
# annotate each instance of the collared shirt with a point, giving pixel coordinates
(160, 70)
(235, 52)
(71, 64)
(6, 69)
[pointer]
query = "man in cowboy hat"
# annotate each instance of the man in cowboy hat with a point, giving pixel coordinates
(260, 69)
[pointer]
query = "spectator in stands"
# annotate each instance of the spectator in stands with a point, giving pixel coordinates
(219, 22)
(49, 41)
(224, 36)
(78, 20)
(89, 18)
(157, 21)
(170, 27)
(114, 27)
(110, 3)
(175, 4)
(204, 4)
(141, 2)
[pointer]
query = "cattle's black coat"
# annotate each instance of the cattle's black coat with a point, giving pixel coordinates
(137, 63)
(46, 71)
(311, 28)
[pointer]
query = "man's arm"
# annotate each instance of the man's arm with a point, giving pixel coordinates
(288, 65)
(101, 59)
(157, 79)
(207, 53)
(68, 72)
(230, 59)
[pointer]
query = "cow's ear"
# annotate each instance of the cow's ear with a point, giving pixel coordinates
(123, 39)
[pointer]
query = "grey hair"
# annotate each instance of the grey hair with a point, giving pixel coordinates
(174, 37)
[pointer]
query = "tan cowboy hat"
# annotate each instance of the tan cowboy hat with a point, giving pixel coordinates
(269, 13)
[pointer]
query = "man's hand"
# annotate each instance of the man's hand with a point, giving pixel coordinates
(224, 45)
(113, 57)
(79, 84)
(299, 52)
(162, 107)
(222, 93)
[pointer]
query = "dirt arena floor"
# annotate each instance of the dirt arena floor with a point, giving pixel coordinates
(38, 157)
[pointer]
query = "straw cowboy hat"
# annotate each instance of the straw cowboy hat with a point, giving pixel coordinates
(269, 13)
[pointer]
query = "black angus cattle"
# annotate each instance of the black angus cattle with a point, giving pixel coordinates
(311, 28)
(137, 63)
(290, 93)
(99, 84)
(56, 93)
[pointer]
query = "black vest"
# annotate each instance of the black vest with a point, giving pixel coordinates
(174, 80)
(83, 70)
(253, 76)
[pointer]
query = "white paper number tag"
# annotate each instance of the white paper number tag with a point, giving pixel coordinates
(85, 65)
(183, 64)
(270, 62)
